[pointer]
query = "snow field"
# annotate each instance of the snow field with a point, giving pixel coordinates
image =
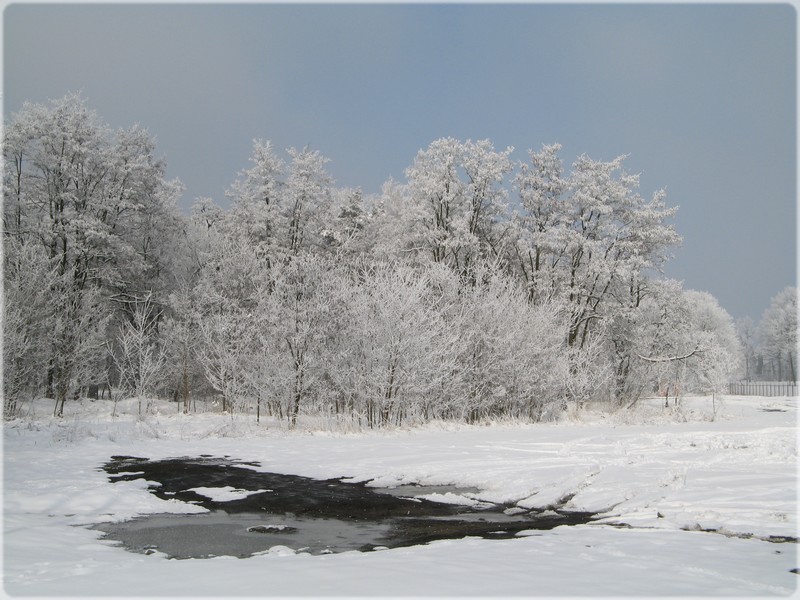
(736, 473)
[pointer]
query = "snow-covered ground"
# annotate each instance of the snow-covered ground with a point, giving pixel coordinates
(667, 473)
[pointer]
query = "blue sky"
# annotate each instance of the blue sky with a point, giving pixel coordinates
(702, 98)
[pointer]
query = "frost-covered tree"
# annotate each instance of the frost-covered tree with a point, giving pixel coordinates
(587, 237)
(404, 353)
(97, 203)
(307, 194)
(345, 228)
(514, 359)
(148, 228)
(720, 352)
(541, 226)
(180, 335)
(138, 353)
(27, 317)
(296, 308)
(225, 345)
(456, 200)
(678, 341)
(614, 235)
(206, 213)
(778, 330)
(282, 208)
(256, 197)
(748, 338)
(226, 299)
(393, 226)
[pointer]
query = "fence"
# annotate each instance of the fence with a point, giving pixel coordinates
(763, 388)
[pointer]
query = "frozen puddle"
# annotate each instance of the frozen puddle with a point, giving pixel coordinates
(251, 512)
(218, 533)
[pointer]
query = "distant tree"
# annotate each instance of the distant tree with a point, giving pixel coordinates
(748, 338)
(394, 226)
(778, 329)
(206, 213)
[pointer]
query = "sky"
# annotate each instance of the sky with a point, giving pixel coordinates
(702, 99)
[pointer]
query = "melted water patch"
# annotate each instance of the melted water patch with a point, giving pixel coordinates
(251, 512)
(218, 533)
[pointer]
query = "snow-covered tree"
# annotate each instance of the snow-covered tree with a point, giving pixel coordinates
(296, 309)
(225, 345)
(720, 354)
(257, 196)
(541, 226)
(97, 203)
(587, 237)
(180, 334)
(615, 234)
(396, 353)
(138, 353)
(514, 358)
(345, 227)
(394, 226)
(678, 341)
(307, 194)
(748, 338)
(226, 298)
(206, 213)
(27, 315)
(456, 200)
(778, 330)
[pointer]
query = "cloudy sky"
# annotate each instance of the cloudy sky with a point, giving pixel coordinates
(701, 97)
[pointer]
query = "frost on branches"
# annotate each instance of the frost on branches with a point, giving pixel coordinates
(479, 288)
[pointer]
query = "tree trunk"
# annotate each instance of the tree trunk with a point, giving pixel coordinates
(298, 393)
(61, 397)
(388, 401)
(185, 388)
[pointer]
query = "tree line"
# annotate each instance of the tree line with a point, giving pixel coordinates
(477, 288)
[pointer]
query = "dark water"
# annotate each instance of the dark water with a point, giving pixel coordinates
(303, 514)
